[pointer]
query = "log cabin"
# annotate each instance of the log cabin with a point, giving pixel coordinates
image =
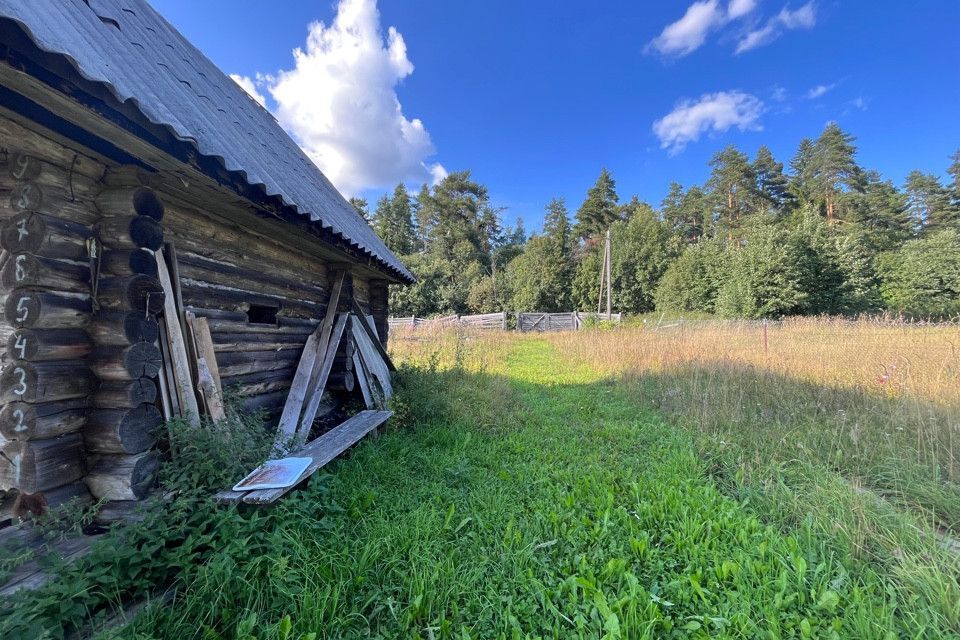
(140, 188)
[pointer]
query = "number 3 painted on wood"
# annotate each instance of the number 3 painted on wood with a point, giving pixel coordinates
(21, 388)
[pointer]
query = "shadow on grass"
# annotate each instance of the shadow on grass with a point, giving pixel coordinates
(749, 422)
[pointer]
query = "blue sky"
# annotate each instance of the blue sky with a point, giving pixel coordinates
(534, 97)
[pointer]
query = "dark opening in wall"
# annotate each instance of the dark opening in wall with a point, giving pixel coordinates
(262, 314)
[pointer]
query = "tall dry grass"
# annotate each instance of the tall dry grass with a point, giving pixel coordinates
(878, 402)
(865, 395)
(847, 430)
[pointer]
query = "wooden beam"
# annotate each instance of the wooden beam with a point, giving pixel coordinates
(373, 336)
(362, 380)
(316, 345)
(324, 449)
(208, 373)
(319, 383)
(370, 356)
(178, 348)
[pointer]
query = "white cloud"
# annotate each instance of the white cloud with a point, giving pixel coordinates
(859, 103)
(819, 90)
(250, 87)
(712, 112)
(803, 18)
(687, 34)
(739, 8)
(339, 102)
(779, 94)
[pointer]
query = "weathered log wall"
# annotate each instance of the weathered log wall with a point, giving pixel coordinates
(122, 427)
(78, 297)
(226, 271)
(47, 219)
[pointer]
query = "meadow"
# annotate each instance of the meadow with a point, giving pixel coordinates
(690, 481)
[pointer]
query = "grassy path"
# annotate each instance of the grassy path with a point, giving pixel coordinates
(524, 502)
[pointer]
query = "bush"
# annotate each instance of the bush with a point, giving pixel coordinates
(692, 281)
(922, 278)
(765, 278)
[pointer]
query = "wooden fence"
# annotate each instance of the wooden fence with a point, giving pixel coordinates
(479, 321)
(566, 321)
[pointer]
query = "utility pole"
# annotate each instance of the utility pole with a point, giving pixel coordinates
(608, 260)
(605, 272)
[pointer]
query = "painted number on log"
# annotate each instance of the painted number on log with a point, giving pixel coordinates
(19, 271)
(20, 426)
(22, 229)
(21, 387)
(23, 312)
(26, 197)
(21, 346)
(24, 167)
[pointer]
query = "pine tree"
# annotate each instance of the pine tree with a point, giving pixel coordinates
(801, 166)
(880, 214)
(362, 207)
(599, 210)
(771, 187)
(954, 172)
(382, 221)
(401, 219)
(695, 210)
(518, 235)
(733, 186)
(424, 216)
(542, 277)
(929, 202)
(556, 224)
(490, 232)
(834, 168)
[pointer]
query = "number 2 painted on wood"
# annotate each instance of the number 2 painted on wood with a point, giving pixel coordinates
(18, 414)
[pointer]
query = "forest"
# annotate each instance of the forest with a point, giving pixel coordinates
(821, 235)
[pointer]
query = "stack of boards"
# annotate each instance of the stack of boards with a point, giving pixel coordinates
(367, 366)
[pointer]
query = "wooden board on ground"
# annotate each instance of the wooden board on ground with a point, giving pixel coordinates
(320, 451)
(325, 448)
(36, 573)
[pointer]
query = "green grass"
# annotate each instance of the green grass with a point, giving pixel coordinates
(528, 499)
(531, 503)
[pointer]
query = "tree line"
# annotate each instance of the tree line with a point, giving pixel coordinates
(757, 239)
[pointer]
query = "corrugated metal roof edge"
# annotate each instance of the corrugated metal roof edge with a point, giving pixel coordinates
(400, 271)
